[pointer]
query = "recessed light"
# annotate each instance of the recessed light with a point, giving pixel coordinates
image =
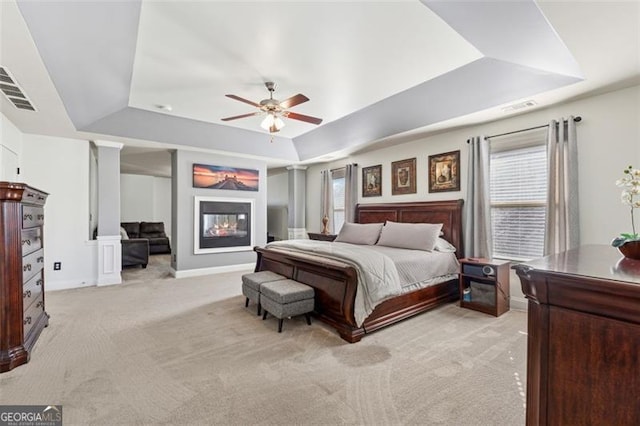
(167, 108)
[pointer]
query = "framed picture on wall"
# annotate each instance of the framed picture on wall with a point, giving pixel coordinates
(372, 181)
(403, 177)
(444, 172)
(221, 177)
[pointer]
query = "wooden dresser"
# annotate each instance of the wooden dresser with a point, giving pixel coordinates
(22, 314)
(583, 354)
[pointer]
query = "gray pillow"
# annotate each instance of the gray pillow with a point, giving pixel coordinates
(415, 236)
(444, 246)
(123, 234)
(359, 233)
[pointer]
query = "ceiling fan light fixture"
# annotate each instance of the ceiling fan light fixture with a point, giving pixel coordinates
(274, 110)
(271, 122)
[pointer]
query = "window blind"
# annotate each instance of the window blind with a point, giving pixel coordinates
(338, 179)
(518, 185)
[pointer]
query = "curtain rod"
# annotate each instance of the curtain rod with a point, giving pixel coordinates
(577, 120)
(343, 167)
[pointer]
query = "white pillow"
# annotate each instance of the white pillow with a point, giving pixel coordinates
(359, 233)
(444, 246)
(415, 236)
(123, 234)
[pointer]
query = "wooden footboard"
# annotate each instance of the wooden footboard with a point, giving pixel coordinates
(335, 283)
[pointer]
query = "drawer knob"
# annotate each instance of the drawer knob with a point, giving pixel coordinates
(39, 282)
(40, 304)
(40, 259)
(26, 267)
(28, 216)
(26, 321)
(26, 294)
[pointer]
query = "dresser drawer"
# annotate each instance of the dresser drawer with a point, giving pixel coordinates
(32, 314)
(32, 216)
(33, 196)
(32, 264)
(32, 290)
(31, 240)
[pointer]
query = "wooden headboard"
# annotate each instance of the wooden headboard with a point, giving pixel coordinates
(449, 213)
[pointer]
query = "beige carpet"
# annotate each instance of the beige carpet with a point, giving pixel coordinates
(157, 268)
(186, 351)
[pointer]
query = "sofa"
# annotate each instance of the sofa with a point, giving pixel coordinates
(152, 231)
(135, 252)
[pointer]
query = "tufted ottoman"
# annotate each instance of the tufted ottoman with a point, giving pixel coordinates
(251, 285)
(286, 298)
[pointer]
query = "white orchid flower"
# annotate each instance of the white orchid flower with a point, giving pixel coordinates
(630, 183)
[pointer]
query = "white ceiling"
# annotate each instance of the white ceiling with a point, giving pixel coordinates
(374, 71)
(343, 56)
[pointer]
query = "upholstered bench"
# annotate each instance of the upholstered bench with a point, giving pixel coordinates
(251, 285)
(286, 298)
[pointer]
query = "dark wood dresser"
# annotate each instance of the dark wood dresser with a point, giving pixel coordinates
(22, 314)
(583, 354)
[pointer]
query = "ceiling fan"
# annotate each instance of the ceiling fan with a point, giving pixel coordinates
(274, 110)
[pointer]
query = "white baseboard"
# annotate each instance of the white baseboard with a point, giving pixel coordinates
(213, 270)
(66, 285)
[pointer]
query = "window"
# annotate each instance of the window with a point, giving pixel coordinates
(518, 185)
(338, 180)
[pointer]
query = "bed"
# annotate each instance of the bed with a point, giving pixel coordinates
(335, 282)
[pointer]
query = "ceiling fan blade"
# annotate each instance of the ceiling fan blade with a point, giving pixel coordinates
(303, 117)
(293, 101)
(235, 117)
(246, 101)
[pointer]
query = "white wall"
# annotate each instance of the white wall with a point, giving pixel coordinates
(10, 150)
(420, 149)
(278, 189)
(145, 199)
(608, 141)
(61, 167)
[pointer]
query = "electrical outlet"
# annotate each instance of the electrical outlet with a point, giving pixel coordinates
(57, 266)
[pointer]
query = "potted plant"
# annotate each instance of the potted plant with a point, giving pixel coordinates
(629, 244)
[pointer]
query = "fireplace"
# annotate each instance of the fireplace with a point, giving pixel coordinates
(223, 224)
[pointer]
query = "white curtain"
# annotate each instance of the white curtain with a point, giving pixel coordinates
(563, 224)
(326, 201)
(477, 232)
(350, 192)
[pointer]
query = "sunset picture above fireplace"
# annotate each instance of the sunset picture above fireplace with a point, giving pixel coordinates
(221, 177)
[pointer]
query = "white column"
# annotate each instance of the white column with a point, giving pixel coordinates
(297, 201)
(109, 245)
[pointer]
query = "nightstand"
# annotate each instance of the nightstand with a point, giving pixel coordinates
(484, 285)
(321, 237)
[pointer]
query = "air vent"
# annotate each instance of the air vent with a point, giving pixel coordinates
(13, 92)
(521, 105)
(24, 106)
(4, 77)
